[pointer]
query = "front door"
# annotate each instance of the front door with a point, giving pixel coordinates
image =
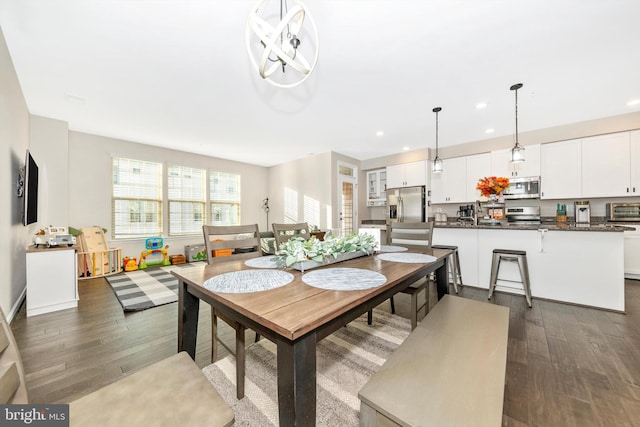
(348, 199)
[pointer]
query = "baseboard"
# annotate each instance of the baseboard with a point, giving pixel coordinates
(16, 306)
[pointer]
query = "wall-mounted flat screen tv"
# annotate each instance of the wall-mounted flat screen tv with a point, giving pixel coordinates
(30, 190)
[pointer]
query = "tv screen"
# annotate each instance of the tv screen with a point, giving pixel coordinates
(30, 190)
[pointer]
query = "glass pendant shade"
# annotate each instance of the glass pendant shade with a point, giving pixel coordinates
(437, 165)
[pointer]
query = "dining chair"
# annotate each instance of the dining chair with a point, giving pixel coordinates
(222, 244)
(411, 233)
(284, 232)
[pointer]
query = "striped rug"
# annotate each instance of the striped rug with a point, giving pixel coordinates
(142, 289)
(345, 361)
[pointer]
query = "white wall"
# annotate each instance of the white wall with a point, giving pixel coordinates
(90, 184)
(14, 141)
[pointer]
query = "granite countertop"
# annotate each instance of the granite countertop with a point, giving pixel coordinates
(551, 226)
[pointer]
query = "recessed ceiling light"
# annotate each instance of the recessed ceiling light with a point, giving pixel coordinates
(380, 133)
(633, 102)
(481, 105)
(405, 148)
(490, 130)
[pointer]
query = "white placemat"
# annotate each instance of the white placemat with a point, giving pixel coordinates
(407, 257)
(262, 262)
(344, 279)
(388, 248)
(244, 281)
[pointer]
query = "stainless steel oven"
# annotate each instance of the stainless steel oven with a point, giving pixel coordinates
(523, 188)
(623, 212)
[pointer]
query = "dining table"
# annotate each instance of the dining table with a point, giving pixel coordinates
(297, 309)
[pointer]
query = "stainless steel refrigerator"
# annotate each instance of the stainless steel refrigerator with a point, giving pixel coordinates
(408, 204)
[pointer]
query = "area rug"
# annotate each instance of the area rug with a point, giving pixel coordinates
(142, 289)
(345, 362)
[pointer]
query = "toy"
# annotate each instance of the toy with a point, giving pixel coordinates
(177, 259)
(154, 246)
(53, 236)
(130, 264)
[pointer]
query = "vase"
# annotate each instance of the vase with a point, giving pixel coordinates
(493, 197)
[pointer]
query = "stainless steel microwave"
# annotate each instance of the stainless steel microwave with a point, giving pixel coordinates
(623, 212)
(523, 188)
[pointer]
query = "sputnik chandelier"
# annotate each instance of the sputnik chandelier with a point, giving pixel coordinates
(282, 43)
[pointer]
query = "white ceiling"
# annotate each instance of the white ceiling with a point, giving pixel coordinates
(175, 73)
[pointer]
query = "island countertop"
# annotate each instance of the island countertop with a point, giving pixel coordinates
(550, 226)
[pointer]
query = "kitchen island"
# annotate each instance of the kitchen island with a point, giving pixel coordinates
(575, 263)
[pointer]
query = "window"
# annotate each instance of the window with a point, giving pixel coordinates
(136, 198)
(186, 191)
(225, 198)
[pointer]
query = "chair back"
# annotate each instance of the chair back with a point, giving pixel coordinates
(411, 233)
(13, 385)
(227, 242)
(284, 232)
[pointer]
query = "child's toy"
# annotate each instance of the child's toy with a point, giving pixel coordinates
(195, 253)
(177, 259)
(130, 264)
(54, 236)
(154, 246)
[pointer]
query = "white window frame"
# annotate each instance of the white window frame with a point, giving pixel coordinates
(225, 200)
(186, 200)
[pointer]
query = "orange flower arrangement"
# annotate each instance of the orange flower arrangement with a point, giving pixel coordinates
(492, 185)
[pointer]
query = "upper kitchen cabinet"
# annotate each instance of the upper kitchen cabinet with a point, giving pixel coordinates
(606, 166)
(458, 179)
(502, 166)
(377, 187)
(634, 142)
(561, 170)
(407, 175)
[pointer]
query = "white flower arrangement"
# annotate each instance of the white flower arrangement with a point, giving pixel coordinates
(297, 249)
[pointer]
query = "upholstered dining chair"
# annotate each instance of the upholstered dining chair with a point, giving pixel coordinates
(412, 233)
(222, 244)
(284, 232)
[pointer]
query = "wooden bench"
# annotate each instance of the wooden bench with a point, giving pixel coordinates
(168, 393)
(450, 371)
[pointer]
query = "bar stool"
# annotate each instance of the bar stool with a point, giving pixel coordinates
(511, 255)
(454, 265)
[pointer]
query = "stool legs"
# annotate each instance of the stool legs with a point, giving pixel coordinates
(513, 256)
(495, 267)
(524, 272)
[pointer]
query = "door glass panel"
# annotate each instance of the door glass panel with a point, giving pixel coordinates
(347, 208)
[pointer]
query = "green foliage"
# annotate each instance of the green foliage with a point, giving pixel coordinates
(297, 249)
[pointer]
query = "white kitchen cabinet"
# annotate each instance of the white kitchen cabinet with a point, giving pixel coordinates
(377, 187)
(450, 185)
(52, 282)
(561, 170)
(632, 253)
(466, 239)
(634, 149)
(502, 166)
(459, 177)
(606, 166)
(407, 174)
(478, 166)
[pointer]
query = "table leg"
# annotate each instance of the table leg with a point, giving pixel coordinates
(297, 381)
(442, 279)
(188, 309)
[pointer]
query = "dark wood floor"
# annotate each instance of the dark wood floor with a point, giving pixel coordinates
(566, 365)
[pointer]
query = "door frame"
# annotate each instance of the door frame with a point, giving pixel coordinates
(354, 181)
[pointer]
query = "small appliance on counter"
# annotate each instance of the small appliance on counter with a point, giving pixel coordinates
(440, 216)
(623, 212)
(490, 213)
(582, 212)
(466, 213)
(523, 215)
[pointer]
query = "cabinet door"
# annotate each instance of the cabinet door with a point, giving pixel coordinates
(395, 176)
(438, 187)
(635, 162)
(415, 173)
(561, 170)
(531, 164)
(500, 164)
(605, 166)
(478, 166)
(372, 185)
(455, 174)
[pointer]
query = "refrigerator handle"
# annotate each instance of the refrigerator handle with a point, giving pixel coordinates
(400, 209)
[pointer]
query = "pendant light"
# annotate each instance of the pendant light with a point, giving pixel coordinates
(437, 162)
(517, 152)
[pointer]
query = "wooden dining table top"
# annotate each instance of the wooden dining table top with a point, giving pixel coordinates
(296, 309)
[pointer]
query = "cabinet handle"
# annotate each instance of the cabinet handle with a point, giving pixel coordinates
(627, 189)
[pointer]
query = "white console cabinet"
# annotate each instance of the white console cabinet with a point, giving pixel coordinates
(52, 281)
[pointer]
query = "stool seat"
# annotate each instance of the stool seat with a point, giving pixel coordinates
(511, 255)
(509, 252)
(454, 265)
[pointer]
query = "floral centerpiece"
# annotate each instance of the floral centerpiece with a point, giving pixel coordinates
(492, 185)
(299, 250)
